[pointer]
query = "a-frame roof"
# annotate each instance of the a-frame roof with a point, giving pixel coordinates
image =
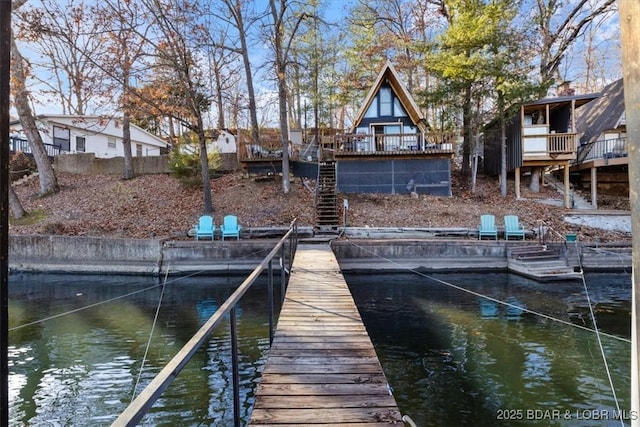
(602, 114)
(390, 75)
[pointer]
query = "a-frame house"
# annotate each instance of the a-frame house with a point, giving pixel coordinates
(389, 148)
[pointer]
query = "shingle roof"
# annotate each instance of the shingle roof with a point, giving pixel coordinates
(601, 114)
(390, 74)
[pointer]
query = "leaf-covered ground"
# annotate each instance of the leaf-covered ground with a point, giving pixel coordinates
(158, 206)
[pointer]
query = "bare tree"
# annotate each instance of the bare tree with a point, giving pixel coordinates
(559, 25)
(282, 13)
(177, 43)
(224, 73)
(237, 10)
(124, 25)
(46, 174)
(66, 36)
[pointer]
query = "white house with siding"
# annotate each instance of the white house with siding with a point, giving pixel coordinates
(93, 134)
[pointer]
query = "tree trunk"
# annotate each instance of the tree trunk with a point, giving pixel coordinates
(281, 73)
(630, 40)
(126, 145)
(253, 114)
(204, 162)
(14, 204)
(219, 100)
(129, 173)
(535, 180)
(503, 146)
(48, 181)
(466, 124)
(284, 128)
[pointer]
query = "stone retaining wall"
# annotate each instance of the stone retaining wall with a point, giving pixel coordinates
(65, 254)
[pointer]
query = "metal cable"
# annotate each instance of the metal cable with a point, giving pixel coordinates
(505, 303)
(153, 326)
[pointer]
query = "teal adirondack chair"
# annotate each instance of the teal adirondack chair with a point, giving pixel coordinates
(512, 227)
(487, 227)
(205, 227)
(230, 227)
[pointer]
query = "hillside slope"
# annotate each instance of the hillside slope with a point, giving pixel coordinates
(158, 206)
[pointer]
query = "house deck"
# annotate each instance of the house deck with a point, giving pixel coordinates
(322, 368)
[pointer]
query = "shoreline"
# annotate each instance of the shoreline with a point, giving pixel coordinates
(379, 251)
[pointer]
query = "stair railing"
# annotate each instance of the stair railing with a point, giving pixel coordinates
(549, 237)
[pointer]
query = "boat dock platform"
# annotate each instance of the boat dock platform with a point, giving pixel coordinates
(322, 368)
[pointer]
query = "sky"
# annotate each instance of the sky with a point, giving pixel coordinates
(336, 10)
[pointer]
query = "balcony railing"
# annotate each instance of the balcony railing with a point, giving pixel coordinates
(385, 144)
(549, 145)
(608, 149)
(21, 144)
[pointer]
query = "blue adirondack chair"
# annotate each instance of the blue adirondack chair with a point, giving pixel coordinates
(487, 227)
(205, 227)
(230, 227)
(512, 227)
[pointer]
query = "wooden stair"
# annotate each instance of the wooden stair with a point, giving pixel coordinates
(326, 197)
(540, 263)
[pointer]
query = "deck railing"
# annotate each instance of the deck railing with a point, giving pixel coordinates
(609, 149)
(404, 143)
(265, 150)
(561, 143)
(549, 145)
(21, 144)
(140, 405)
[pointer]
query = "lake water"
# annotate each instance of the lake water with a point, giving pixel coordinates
(80, 369)
(454, 360)
(451, 359)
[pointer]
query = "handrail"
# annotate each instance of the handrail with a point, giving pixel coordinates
(396, 143)
(543, 230)
(603, 149)
(141, 404)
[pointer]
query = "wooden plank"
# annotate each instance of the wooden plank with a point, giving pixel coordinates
(368, 389)
(308, 402)
(322, 368)
(320, 345)
(325, 338)
(334, 360)
(333, 416)
(274, 378)
(324, 352)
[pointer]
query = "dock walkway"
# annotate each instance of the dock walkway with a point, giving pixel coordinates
(322, 368)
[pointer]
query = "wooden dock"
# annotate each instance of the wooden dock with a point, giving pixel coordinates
(322, 368)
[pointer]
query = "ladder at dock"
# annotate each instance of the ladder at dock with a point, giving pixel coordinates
(322, 368)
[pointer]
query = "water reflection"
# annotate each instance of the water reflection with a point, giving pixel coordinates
(456, 359)
(81, 368)
(451, 358)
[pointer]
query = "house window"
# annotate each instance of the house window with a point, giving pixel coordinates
(81, 144)
(139, 150)
(111, 142)
(62, 138)
(386, 101)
